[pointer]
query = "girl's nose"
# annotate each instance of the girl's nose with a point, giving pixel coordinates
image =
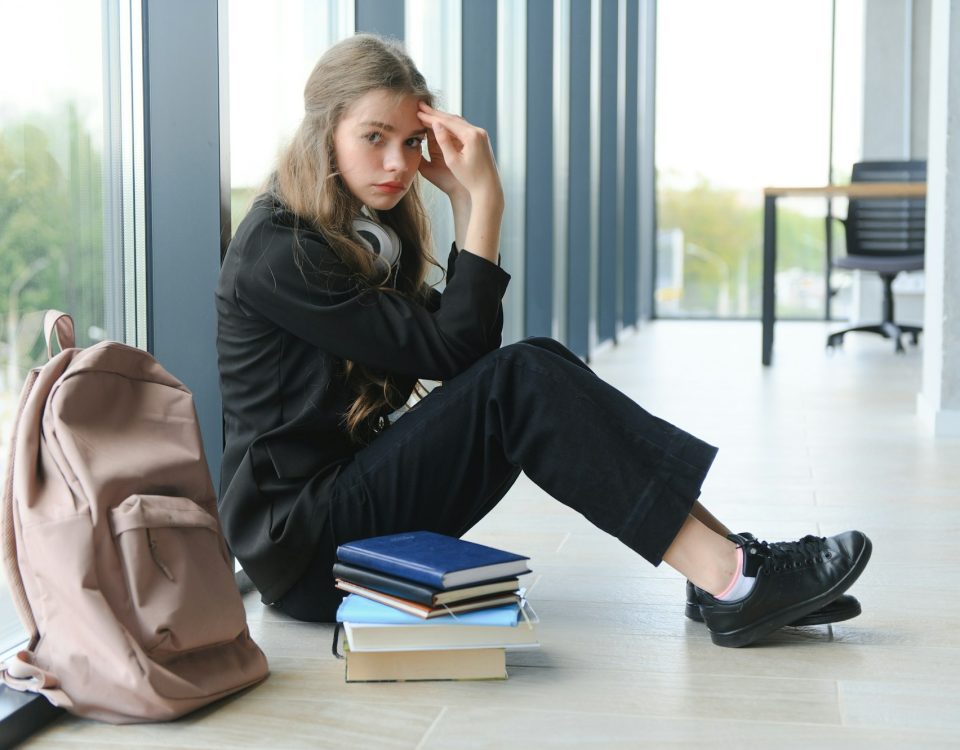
(393, 160)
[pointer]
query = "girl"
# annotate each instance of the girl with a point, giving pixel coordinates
(326, 324)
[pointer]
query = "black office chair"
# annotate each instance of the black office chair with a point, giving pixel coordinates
(884, 235)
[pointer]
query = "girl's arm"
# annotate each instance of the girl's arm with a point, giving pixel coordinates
(467, 159)
(461, 218)
(436, 171)
(322, 303)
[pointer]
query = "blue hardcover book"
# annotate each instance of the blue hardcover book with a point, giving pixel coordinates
(360, 610)
(434, 559)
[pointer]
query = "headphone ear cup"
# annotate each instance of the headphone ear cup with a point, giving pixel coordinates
(380, 239)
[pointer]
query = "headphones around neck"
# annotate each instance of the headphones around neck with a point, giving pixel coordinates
(381, 240)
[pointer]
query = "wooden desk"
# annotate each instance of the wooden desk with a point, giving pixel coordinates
(770, 195)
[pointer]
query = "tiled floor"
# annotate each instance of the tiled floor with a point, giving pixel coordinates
(816, 443)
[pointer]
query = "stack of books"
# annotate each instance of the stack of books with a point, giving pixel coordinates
(424, 606)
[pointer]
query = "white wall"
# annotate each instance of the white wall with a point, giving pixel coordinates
(938, 404)
(896, 85)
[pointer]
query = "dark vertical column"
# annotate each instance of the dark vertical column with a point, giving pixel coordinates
(480, 65)
(182, 144)
(226, 219)
(607, 230)
(578, 244)
(768, 306)
(538, 244)
(383, 17)
(630, 204)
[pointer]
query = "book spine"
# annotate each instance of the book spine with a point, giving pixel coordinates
(390, 566)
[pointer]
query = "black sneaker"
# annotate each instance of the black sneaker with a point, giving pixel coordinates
(844, 607)
(794, 579)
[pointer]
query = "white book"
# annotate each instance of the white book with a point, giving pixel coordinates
(375, 637)
(409, 633)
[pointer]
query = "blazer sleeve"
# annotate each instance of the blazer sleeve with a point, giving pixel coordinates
(434, 301)
(322, 303)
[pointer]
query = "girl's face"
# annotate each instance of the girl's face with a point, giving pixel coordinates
(377, 145)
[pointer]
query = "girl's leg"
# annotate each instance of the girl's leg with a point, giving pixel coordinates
(705, 517)
(701, 550)
(705, 557)
(532, 406)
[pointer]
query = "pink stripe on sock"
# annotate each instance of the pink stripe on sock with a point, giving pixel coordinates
(736, 576)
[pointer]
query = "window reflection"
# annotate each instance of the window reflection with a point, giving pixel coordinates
(52, 185)
(434, 42)
(739, 110)
(272, 47)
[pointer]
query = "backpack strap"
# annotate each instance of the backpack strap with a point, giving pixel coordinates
(58, 325)
(21, 673)
(8, 539)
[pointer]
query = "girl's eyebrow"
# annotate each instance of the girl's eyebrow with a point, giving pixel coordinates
(388, 127)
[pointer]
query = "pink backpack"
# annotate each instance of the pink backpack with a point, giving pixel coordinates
(112, 545)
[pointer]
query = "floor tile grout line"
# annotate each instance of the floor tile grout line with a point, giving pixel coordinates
(719, 719)
(840, 705)
(433, 725)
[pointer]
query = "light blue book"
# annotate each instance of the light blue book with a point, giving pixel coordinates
(360, 610)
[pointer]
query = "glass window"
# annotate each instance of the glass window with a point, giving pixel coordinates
(68, 185)
(272, 47)
(743, 102)
(512, 153)
(434, 41)
(847, 133)
(266, 100)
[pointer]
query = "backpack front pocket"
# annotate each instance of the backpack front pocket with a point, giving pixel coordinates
(182, 590)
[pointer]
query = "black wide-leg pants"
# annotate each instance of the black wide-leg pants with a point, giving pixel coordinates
(532, 406)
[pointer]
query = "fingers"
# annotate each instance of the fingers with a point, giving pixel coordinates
(465, 149)
(432, 146)
(462, 129)
(445, 148)
(447, 143)
(434, 151)
(427, 110)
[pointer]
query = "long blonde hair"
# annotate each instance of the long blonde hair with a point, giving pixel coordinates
(308, 184)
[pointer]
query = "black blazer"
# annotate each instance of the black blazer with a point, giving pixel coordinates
(282, 335)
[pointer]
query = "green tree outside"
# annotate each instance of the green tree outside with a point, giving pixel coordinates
(51, 236)
(723, 237)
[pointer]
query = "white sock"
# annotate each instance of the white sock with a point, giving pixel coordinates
(740, 586)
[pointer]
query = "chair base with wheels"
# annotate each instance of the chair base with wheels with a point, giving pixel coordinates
(884, 235)
(887, 327)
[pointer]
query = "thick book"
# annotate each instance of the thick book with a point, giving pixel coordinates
(371, 626)
(418, 592)
(434, 559)
(409, 666)
(423, 610)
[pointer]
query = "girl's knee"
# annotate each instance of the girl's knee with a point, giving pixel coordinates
(553, 346)
(541, 350)
(544, 342)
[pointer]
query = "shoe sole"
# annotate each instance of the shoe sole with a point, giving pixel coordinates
(814, 618)
(757, 630)
(692, 611)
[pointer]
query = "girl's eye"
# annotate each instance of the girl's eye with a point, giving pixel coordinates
(416, 142)
(373, 137)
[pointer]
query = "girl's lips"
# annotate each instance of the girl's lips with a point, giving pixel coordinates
(390, 187)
